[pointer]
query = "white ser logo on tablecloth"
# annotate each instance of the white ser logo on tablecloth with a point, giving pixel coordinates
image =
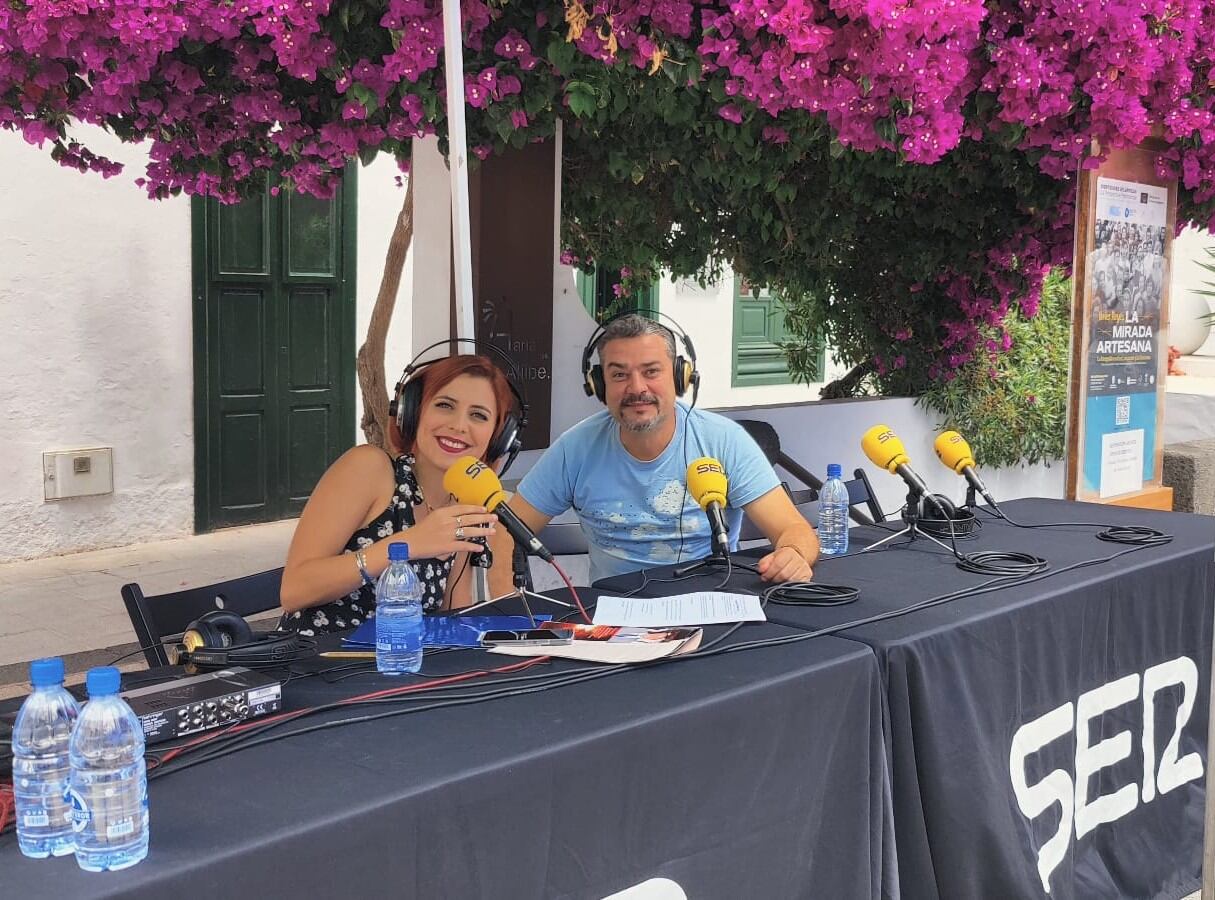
(1058, 787)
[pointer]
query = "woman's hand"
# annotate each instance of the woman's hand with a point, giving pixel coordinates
(449, 529)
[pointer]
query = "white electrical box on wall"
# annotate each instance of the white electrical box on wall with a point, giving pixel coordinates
(77, 473)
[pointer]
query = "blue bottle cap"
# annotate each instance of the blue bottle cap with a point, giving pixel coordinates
(834, 470)
(46, 672)
(102, 681)
(398, 551)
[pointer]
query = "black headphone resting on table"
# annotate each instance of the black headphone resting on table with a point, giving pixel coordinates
(221, 638)
(406, 405)
(686, 373)
(961, 522)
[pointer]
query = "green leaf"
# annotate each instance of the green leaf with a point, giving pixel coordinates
(582, 104)
(365, 96)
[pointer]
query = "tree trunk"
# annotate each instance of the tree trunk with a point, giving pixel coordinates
(847, 384)
(369, 364)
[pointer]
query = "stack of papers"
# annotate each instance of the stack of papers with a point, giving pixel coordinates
(700, 608)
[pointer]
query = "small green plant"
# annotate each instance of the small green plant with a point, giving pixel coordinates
(1011, 406)
(1209, 318)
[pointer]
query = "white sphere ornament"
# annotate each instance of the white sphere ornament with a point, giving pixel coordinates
(1188, 327)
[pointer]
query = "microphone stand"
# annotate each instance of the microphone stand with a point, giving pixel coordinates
(972, 499)
(519, 568)
(911, 515)
(715, 561)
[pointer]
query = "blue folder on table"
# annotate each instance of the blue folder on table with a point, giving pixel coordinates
(446, 631)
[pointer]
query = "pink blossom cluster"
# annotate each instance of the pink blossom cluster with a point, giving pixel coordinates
(230, 92)
(227, 92)
(1012, 274)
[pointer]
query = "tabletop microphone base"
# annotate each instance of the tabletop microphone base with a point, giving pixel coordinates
(714, 563)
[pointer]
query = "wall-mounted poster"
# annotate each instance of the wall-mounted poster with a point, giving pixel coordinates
(1124, 243)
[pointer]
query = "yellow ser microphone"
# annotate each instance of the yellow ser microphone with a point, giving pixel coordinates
(885, 450)
(954, 452)
(471, 481)
(707, 483)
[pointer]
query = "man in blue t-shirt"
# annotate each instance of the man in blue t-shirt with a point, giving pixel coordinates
(624, 469)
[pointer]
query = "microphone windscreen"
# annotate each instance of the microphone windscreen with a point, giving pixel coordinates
(884, 448)
(707, 481)
(953, 451)
(471, 481)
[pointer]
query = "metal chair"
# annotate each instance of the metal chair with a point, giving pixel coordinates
(567, 542)
(860, 491)
(165, 616)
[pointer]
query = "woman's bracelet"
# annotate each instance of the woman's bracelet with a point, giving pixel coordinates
(360, 560)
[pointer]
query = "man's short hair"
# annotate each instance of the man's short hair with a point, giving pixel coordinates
(634, 326)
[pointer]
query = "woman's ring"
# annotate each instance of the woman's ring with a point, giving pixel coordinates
(459, 532)
(459, 524)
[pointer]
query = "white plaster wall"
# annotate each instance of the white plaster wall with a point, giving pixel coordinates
(1189, 249)
(95, 309)
(431, 249)
(829, 431)
(707, 314)
(380, 201)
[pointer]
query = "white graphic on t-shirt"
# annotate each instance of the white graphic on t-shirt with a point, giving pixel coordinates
(669, 500)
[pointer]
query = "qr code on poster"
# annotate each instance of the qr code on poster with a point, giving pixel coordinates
(1122, 410)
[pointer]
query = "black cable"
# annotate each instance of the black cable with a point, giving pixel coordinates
(994, 584)
(119, 659)
(810, 593)
(1001, 563)
(577, 676)
(1134, 535)
(555, 680)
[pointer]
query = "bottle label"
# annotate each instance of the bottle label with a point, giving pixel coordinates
(80, 810)
(36, 818)
(121, 828)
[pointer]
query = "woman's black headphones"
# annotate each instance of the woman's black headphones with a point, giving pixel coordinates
(221, 638)
(686, 373)
(406, 405)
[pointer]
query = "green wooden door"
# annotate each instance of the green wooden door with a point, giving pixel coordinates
(273, 351)
(759, 330)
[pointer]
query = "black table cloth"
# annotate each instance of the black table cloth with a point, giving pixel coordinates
(757, 773)
(992, 698)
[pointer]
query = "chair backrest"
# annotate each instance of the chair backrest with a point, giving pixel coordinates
(563, 538)
(860, 493)
(804, 501)
(156, 619)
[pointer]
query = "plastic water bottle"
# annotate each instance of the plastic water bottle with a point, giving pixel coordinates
(833, 513)
(109, 783)
(40, 763)
(398, 615)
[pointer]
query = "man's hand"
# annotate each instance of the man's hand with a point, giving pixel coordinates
(784, 564)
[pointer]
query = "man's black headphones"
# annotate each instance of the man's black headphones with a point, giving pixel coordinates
(686, 373)
(221, 638)
(961, 522)
(406, 405)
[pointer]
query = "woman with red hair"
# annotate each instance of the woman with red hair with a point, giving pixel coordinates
(369, 498)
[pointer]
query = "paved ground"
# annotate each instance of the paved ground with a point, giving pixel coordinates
(70, 605)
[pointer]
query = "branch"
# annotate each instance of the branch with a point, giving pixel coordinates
(847, 384)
